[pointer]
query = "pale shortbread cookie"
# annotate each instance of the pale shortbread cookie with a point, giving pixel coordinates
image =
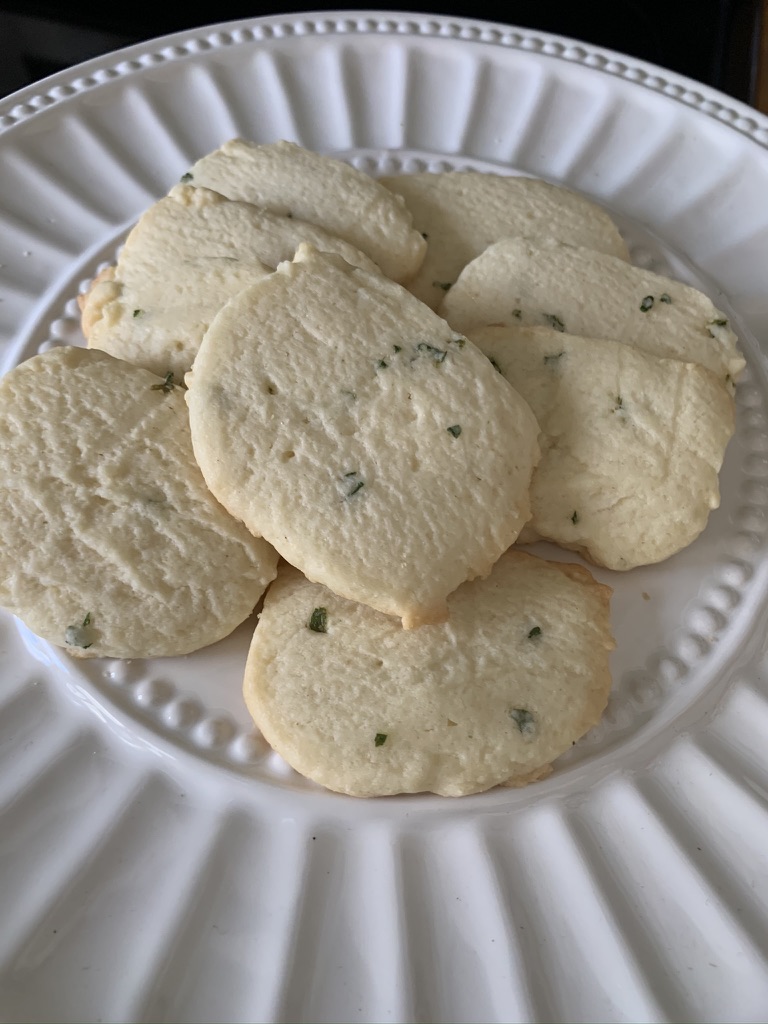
(518, 673)
(587, 293)
(342, 420)
(181, 262)
(111, 545)
(462, 213)
(631, 444)
(288, 179)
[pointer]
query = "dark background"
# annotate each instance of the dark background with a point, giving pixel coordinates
(712, 41)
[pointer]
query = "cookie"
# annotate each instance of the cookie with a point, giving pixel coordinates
(588, 293)
(518, 673)
(462, 213)
(181, 262)
(631, 444)
(111, 545)
(289, 180)
(341, 419)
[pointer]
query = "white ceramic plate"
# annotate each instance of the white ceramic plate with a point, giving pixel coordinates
(156, 861)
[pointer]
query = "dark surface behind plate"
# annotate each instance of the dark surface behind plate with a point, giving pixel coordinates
(713, 41)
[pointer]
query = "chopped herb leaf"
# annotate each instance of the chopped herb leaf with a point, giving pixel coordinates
(517, 313)
(380, 739)
(186, 177)
(138, 312)
(436, 354)
(718, 323)
(554, 359)
(665, 298)
(318, 621)
(349, 394)
(445, 285)
(455, 430)
(355, 483)
(381, 364)
(398, 348)
(424, 235)
(575, 517)
(554, 322)
(167, 386)
(78, 636)
(494, 364)
(728, 378)
(523, 719)
(619, 403)
(458, 340)
(646, 304)
(535, 632)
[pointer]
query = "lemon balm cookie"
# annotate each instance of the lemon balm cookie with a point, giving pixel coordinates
(375, 448)
(181, 262)
(461, 213)
(631, 444)
(111, 545)
(290, 180)
(580, 291)
(518, 673)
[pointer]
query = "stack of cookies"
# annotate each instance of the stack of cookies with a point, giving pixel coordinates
(361, 395)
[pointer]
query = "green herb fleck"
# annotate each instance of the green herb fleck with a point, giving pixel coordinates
(455, 430)
(349, 394)
(137, 313)
(289, 215)
(318, 621)
(436, 354)
(534, 633)
(167, 386)
(728, 379)
(458, 340)
(517, 313)
(494, 364)
(424, 235)
(445, 285)
(554, 322)
(355, 483)
(77, 636)
(575, 517)
(380, 739)
(719, 322)
(619, 403)
(554, 359)
(186, 177)
(398, 348)
(381, 364)
(646, 304)
(665, 298)
(524, 720)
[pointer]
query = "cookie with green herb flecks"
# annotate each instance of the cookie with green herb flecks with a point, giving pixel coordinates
(631, 444)
(111, 545)
(288, 179)
(580, 291)
(185, 257)
(377, 450)
(461, 213)
(518, 673)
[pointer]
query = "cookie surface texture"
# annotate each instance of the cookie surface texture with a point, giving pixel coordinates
(462, 213)
(583, 292)
(290, 180)
(181, 262)
(631, 444)
(111, 545)
(517, 674)
(377, 450)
